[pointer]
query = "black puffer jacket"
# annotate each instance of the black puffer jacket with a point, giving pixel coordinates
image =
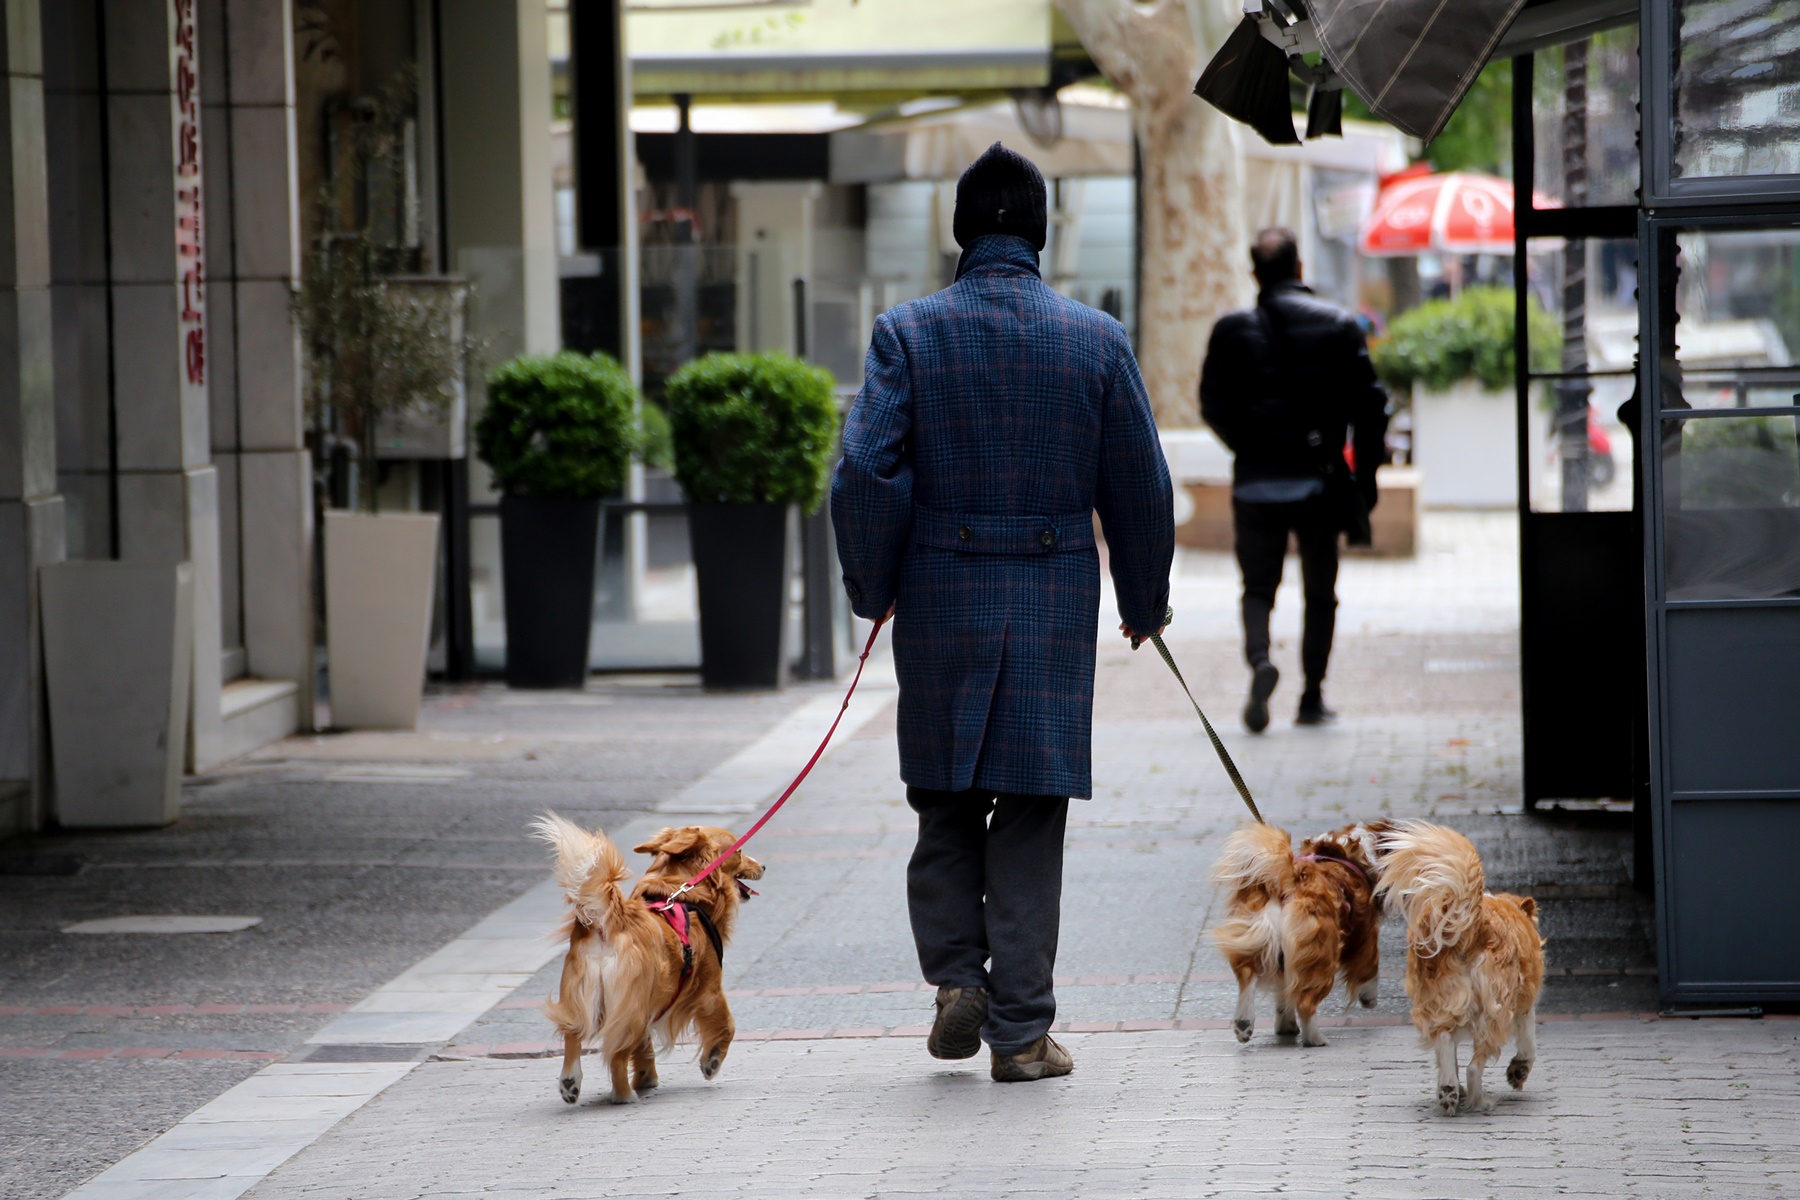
(1279, 373)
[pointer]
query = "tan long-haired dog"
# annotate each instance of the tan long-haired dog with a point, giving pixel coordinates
(1295, 923)
(1474, 962)
(627, 973)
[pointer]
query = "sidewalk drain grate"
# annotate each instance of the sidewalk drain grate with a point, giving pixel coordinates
(351, 1052)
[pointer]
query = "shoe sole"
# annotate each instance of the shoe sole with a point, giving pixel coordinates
(957, 1031)
(1029, 1072)
(1262, 686)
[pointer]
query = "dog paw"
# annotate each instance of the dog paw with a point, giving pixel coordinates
(627, 1098)
(1315, 1038)
(1243, 1029)
(1517, 1072)
(1449, 1099)
(1286, 1025)
(570, 1088)
(711, 1062)
(645, 1083)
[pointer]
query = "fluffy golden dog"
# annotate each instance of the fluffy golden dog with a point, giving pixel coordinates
(627, 973)
(1295, 923)
(1474, 962)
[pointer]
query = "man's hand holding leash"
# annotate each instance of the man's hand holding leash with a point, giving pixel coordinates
(1138, 639)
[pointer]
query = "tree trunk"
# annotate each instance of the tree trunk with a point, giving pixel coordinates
(1194, 265)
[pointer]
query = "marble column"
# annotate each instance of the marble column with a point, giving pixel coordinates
(160, 218)
(253, 262)
(31, 511)
(494, 64)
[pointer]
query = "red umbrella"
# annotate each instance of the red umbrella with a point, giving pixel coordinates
(1457, 213)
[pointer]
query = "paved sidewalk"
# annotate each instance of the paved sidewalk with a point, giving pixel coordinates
(1616, 1108)
(362, 853)
(440, 1083)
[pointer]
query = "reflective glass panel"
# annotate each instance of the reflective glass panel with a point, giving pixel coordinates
(1583, 338)
(1584, 115)
(1737, 87)
(1731, 507)
(1737, 305)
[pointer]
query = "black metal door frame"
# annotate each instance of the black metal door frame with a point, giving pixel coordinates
(1683, 817)
(1579, 734)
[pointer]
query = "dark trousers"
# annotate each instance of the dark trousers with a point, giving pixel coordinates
(984, 890)
(1262, 540)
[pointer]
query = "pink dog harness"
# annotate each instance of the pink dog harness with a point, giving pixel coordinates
(677, 914)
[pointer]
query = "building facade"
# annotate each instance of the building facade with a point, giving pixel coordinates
(160, 180)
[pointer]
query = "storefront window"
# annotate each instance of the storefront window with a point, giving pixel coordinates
(1584, 110)
(1737, 329)
(1579, 450)
(1737, 88)
(1731, 507)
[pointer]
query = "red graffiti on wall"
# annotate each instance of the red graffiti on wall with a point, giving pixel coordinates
(190, 240)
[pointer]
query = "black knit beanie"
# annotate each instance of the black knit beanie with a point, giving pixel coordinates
(1001, 192)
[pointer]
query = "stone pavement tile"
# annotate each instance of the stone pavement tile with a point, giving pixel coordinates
(356, 881)
(1145, 1115)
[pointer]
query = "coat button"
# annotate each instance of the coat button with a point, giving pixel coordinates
(1047, 538)
(965, 533)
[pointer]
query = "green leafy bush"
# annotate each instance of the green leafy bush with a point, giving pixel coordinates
(1443, 342)
(656, 446)
(752, 428)
(561, 427)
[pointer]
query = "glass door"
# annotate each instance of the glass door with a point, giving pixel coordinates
(1723, 305)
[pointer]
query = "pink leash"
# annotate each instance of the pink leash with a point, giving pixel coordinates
(862, 660)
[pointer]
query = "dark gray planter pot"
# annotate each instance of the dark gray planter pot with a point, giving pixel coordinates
(741, 555)
(547, 550)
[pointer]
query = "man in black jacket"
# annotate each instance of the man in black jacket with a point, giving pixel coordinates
(1283, 385)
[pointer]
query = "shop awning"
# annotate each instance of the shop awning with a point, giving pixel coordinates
(1096, 140)
(788, 47)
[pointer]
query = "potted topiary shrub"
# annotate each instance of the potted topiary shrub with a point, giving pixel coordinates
(558, 433)
(1455, 357)
(753, 437)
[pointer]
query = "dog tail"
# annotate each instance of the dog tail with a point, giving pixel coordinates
(1256, 857)
(1435, 876)
(1260, 937)
(589, 869)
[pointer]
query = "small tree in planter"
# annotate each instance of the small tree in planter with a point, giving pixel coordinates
(1456, 358)
(381, 342)
(753, 437)
(558, 433)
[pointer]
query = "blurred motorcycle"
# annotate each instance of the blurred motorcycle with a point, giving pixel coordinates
(1602, 470)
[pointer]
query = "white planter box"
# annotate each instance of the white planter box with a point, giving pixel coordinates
(380, 572)
(1466, 447)
(118, 662)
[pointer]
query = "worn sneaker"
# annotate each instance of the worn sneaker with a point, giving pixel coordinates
(1263, 678)
(1044, 1060)
(957, 1031)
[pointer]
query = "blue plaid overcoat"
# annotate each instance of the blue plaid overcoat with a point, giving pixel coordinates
(996, 417)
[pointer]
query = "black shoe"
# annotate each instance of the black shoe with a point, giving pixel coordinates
(957, 1031)
(1313, 711)
(1263, 678)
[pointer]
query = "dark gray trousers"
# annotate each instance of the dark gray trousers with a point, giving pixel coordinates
(1262, 542)
(985, 896)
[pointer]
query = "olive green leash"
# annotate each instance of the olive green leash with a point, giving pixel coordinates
(1237, 780)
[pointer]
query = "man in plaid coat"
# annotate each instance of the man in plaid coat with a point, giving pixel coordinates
(996, 418)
